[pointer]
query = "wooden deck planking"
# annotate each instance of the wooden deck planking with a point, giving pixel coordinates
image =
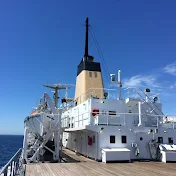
(87, 167)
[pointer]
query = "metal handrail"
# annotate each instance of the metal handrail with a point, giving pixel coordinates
(91, 91)
(117, 115)
(13, 163)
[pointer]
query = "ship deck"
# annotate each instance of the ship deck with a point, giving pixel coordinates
(77, 165)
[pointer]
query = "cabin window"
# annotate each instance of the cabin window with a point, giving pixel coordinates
(112, 139)
(170, 140)
(90, 74)
(93, 138)
(141, 138)
(160, 140)
(95, 74)
(112, 112)
(124, 139)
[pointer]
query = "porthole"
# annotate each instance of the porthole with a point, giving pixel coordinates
(141, 138)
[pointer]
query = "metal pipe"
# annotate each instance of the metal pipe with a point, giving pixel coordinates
(96, 142)
(140, 115)
(120, 85)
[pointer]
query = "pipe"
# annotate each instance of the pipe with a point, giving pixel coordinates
(140, 115)
(119, 76)
(120, 85)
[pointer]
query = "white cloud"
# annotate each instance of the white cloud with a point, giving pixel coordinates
(171, 69)
(172, 86)
(141, 81)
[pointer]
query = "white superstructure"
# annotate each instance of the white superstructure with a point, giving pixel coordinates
(103, 124)
(132, 123)
(99, 121)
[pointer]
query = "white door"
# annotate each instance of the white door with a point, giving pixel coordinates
(142, 143)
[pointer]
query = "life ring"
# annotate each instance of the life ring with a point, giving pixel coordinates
(95, 112)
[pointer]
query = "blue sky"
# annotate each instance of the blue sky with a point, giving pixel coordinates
(43, 42)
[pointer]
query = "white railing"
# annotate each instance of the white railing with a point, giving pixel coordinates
(98, 92)
(170, 122)
(103, 118)
(81, 118)
(132, 92)
(13, 167)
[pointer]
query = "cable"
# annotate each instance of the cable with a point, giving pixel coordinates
(100, 53)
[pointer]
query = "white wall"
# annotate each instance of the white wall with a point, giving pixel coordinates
(78, 141)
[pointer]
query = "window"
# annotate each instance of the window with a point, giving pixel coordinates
(90, 74)
(170, 140)
(95, 74)
(112, 139)
(124, 140)
(93, 138)
(160, 140)
(141, 138)
(112, 112)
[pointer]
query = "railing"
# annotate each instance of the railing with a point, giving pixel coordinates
(132, 92)
(81, 118)
(13, 167)
(102, 118)
(151, 120)
(98, 92)
(170, 122)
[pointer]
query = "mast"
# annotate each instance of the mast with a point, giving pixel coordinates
(56, 88)
(86, 39)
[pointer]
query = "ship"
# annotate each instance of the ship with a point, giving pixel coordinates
(102, 124)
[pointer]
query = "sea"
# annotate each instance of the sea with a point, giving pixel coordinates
(9, 145)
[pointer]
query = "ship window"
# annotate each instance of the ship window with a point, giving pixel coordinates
(90, 74)
(170, 140)
(95, 74)
(112, 112)
(141, 138)
(112, 139)
(160, 140)
(124, 140)
(93, 138)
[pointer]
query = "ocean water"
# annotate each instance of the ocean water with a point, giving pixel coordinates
(9, 144)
